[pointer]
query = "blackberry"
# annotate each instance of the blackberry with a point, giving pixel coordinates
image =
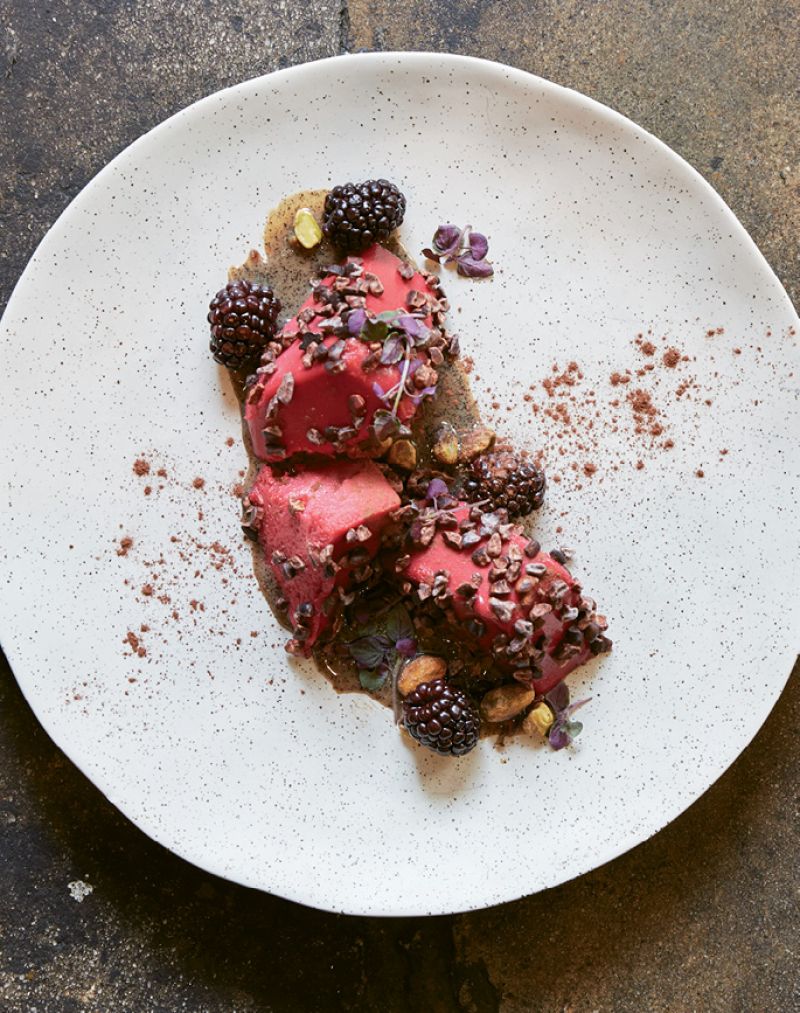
(442, 718)
(360, 214)
(242, 317)
(506, 480)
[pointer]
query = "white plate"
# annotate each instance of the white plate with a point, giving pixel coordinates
(248, 764)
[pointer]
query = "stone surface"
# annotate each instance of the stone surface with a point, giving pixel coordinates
(702, 917)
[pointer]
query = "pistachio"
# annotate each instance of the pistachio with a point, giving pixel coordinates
(403, 454)
(425, 668)
(306, 228)
(475, 443)
(539, 720)
(506, 702)
(445, 445)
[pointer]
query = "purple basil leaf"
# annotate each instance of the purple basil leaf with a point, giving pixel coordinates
(362, 616)
(471, 268)
(478, 245)
(413, 327)
(558, 737)
(398, 623)
(406, 647)
(372, 680)
(356, 321)
(428, 252)
(375, 330)
(559, 697)
(419, 395)
(377, 390)
(568, 711)
(574, 728)
(447, 239)
(368, 652)
(436, 487)
(393, 349)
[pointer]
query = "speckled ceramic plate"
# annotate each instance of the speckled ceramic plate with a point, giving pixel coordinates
(158, 669)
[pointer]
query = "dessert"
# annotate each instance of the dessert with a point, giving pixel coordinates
(392, 529)
(359, 350)
(320, 530)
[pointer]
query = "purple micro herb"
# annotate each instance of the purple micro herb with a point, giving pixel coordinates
(462, 247)
(356, 321)
(564, 729)
(436, 488)
(446, 243)
(383, 640)
(471, 268)
(478, 245)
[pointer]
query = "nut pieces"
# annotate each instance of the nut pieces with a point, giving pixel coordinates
(403, 454)
(506, 702)
(425, 668)
(475, 443)
(539, 720)
(445, 446)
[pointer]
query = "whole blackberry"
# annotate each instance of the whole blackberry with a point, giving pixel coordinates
(360, 214)
(442, 718)
(506, 480)
(242, 317)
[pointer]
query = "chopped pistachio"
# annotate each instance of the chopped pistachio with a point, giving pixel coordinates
(540, 719)
(306, 228)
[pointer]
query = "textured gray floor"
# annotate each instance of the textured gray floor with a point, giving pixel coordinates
(703, 917)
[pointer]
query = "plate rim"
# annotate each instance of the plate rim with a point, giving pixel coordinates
(443, 59)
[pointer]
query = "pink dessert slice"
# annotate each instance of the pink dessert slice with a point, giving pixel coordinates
(319, 530)
(516, 602)
(326, 405)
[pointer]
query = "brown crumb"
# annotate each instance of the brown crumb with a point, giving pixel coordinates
(648, 348)
(639, 465)
(144, 628)
(618, 378)
(238, 490)
(724, 451)
(700, 473)
(253, 633)
(124, 544)
(148, 489)
(162, 473)
(589, 468)
(668, 444)
(132, 640)
(141, 467)
(147, 590)
(199, 482)
(671, 358)
(229, 442)
(737, 351)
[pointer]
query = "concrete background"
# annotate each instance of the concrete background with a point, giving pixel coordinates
(701, 918)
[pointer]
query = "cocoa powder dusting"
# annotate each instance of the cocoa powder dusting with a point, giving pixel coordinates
(671, 358)
(124, 545)
(141, 467)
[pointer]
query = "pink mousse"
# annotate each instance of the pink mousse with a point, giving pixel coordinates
(322, 399)
(552, 622)
(319, 529)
